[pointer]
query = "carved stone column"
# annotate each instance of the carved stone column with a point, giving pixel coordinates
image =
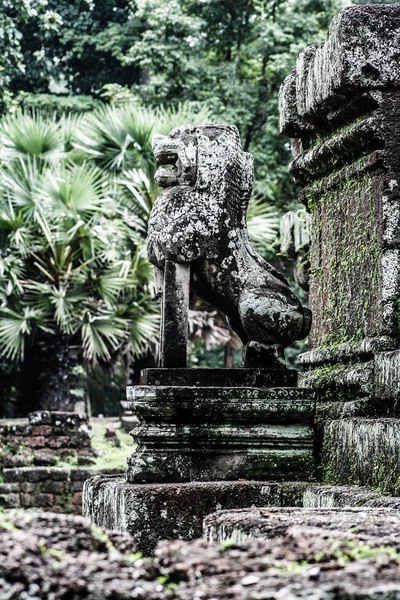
(343, 104)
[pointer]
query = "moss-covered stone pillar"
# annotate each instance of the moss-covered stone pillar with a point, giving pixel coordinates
(343, 103)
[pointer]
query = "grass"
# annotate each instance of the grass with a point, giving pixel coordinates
(109, 456)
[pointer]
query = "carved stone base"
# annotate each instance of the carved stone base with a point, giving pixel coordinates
(212, 433)
(255, 377)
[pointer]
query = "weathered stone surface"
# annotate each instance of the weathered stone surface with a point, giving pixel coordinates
(382, 526)
(211, 434)
(200, 219)
(363, 452)
(218, 378)
(227, 405)
(48, 436)
(44, 556)
(57, 489)
(174, 320)
(360, 54)
(302, 563)
(49, 557)
(171, 511)
(331, 496)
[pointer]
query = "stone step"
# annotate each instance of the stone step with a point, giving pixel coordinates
(242, 525)
(173, 511)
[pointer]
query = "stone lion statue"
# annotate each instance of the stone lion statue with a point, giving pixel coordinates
(200, 218)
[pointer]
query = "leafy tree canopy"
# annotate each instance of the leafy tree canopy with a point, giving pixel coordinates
(232, 55)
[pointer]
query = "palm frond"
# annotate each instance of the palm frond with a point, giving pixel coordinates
(16, 328)
(104, 138)
(102, 332)
(24, 135)
(262, 224)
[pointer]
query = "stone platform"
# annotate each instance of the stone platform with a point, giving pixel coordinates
(221, 433)
(153, 512)
(239, 526)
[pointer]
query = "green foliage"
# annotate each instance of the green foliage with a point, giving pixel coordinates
(233, 56)
(202, 357)
(57, 104)
(15, 15)
(106, 390)
(71, 260)
(82, 52)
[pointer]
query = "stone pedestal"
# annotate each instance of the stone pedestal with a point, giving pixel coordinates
(343, 103)
(221, 433)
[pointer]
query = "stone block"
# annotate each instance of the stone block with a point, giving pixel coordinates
(42, 430)
(8, 488)
(37, 474)
(35, 442)
(42, 500)
(360, 54)
(40, 417)
(255, 377)
(27, 487)
(334, 496)
(44, 459)
(26, 500)
(14, 475)
(169, 511)
(59, 474)
(53, 487)
(366, 452)
(10, 500)
(19, 460)
(87, 459)
(76, 486)
(81, 474)
(61, 441)
(68, 417)
(238, 526)
(224, 433)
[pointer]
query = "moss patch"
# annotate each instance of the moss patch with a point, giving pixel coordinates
(345, 259)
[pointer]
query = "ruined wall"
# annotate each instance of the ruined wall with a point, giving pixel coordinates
(343, 103)
(46, 439)
(53, 489)
(34, 457)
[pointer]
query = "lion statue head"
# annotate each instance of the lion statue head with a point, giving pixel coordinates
(205, 191)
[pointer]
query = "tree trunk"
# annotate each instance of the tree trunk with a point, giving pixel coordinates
(46, 370)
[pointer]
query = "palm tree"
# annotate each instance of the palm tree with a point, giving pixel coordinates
(72, 269)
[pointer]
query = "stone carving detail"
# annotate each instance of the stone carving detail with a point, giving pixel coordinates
(199, 219)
